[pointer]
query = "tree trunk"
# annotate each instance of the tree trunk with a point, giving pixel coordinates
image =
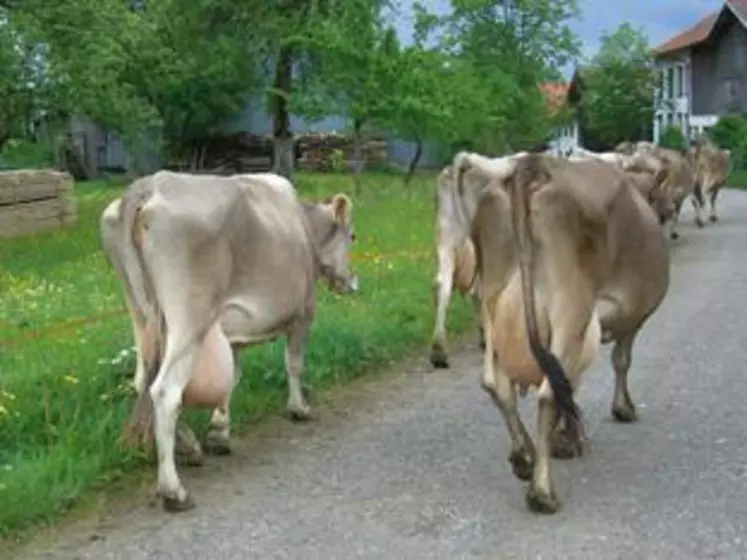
(283, 157)
(414, 161)
(358, 162)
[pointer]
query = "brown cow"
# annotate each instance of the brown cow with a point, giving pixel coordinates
(210, 264)
(678, 185)
(455, 261)
(712, 168)
(569, 256)
(648, 174)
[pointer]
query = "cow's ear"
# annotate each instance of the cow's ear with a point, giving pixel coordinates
(342, 208)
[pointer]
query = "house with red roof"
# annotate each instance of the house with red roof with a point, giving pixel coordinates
(558, 96)
(703, 72)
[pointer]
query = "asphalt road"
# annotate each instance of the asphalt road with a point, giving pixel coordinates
(414, 464)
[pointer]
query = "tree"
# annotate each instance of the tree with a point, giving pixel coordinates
(513, 47)
(349, 68)
(163, 72)
(20, 83)
(620, 84)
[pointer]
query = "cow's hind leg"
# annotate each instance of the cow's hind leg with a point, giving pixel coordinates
(566, 442)
(442, 288)
(541, 496)
(218, 437)
(698, 201)
(188, 451)
(502, 391)
(166, 393)
(674, 221)
(712, 199)
(294, 350)
(623, 409)
(477, 306)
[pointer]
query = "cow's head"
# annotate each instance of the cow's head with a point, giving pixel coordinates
(334, 246)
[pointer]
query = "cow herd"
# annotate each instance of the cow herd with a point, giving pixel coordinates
(559, 256)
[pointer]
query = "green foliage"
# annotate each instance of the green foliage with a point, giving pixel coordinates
(65, 395)
(619, 87)
(730, 133)
(19, 80)
(673, 139)
(20, 153)
(509, 49)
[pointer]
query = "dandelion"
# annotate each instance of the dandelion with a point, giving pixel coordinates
(70, 379)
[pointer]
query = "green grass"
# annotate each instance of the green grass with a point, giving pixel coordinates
(737, 179)
(65, 393)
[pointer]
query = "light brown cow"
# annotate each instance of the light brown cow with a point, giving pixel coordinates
(630, 148)
(679, 184)
(648, 175)
(210, 264)
(455, 260)
(569, 256)
(712, 167)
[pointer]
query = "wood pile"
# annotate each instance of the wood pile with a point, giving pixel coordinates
(242, 152)
(318, 150)
(35, 200)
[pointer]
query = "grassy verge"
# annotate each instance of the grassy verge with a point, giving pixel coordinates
(65, 389)
(738, 179)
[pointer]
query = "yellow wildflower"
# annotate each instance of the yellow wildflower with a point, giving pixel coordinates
(70, 379)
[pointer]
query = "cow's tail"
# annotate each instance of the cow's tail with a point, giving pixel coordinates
(529, 175)
(139, 428)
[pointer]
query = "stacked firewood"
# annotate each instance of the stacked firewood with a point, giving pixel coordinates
(242, 152)
(326, 151)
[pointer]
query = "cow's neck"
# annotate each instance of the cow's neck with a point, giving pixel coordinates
(322, 228)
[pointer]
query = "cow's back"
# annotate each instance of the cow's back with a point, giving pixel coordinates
(616, 231)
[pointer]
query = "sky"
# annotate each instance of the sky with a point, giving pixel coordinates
(659, 19)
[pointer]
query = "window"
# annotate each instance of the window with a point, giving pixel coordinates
(680, 81)
(670, 82)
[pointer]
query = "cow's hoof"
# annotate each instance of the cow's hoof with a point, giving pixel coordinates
(522, 465)
(624, 414)
(566, 446)
(173, 504)
(714, 219)
(299, 412)
(700, 223)
(675, 236)
(192, 458)
(540, 501)
(216, 445)
(438, 356)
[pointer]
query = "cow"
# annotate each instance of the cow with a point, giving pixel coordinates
(210, 265)
(613, 158)
(454, 261)
(648, 174)
(712, 167)
(630, 148)
(569, 257)
(679, 184)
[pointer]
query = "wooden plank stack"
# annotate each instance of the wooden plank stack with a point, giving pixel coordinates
(317, 150)
(35, 200)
